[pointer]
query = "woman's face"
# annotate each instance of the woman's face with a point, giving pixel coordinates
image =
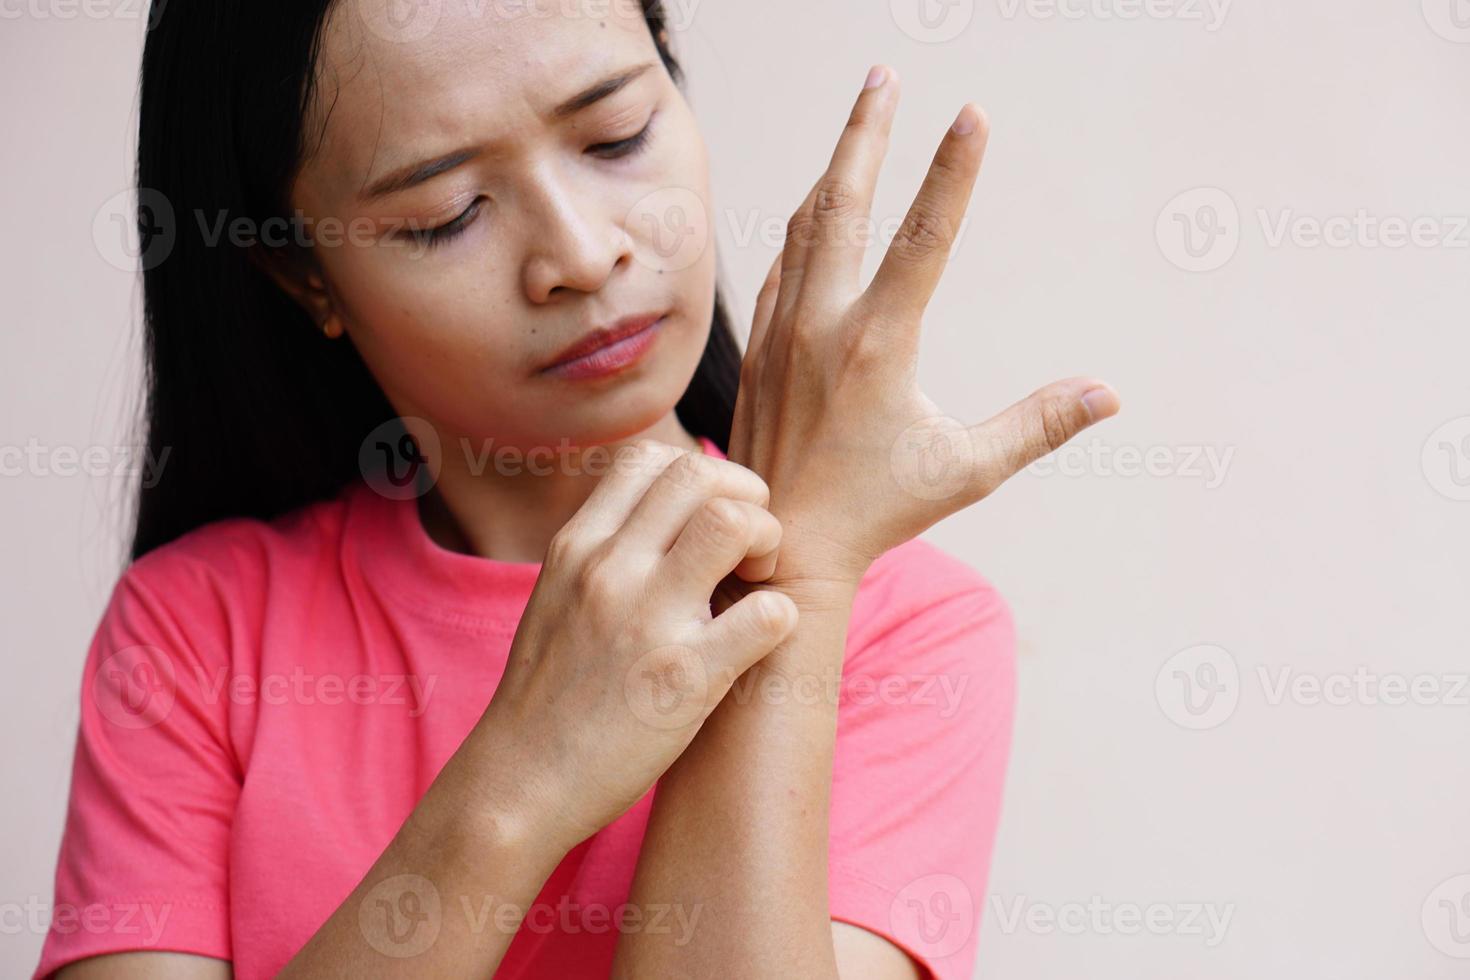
(551, 215)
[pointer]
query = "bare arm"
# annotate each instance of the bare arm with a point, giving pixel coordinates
(739, 823)
(619, 620)
(404, 919)
(830, 415)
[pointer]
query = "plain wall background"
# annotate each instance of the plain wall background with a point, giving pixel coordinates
(1334, 376)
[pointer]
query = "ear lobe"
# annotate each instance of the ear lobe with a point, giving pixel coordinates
(303, 283)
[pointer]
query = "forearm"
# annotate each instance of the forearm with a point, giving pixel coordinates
(446, 896)
(738, 833)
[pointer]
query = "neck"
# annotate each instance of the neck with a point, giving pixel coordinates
(507, 506)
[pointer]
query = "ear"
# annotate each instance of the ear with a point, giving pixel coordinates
(300, 279)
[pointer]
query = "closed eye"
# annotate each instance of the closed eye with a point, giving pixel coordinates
(439, 234)
(625, 147)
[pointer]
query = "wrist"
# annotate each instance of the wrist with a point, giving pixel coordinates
(815, 560)
(515, 802)
(812, 594)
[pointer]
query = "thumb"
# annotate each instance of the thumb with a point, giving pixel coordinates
(747, 631)
(1039, 424)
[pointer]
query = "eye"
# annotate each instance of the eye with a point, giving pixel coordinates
(440, 234)
(625, 147)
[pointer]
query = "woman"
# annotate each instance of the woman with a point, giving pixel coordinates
(476, 524)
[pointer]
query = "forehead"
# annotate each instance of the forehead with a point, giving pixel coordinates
(469, 71)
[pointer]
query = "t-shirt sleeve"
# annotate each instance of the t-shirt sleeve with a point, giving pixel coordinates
(144, 854)
(923, 736)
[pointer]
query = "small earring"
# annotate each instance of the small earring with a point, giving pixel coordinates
(331, 327)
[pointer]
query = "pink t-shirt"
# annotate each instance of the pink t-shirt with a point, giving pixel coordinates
(263, 703)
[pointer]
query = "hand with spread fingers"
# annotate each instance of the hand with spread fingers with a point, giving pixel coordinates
(829, 412)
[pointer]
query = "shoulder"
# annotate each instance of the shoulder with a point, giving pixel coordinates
(919, 600)
(232, 562)
(919, 577)
(241, 545)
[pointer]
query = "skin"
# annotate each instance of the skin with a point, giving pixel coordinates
(808, 421)
(779, 534)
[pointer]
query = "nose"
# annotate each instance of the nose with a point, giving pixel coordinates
(575, 244)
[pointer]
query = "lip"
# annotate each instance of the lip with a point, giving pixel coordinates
(607, 350)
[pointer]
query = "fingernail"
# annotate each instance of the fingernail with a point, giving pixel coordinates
(964, 123)
(875, 77)
(1100, 403)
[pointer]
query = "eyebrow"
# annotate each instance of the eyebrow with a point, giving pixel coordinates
(417, 173)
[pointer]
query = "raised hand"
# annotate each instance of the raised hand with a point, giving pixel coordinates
(829, 412)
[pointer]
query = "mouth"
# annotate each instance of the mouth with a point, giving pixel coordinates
(607, 350)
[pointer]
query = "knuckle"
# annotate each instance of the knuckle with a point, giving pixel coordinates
(866, 350)
(631, 451)
(923, 232)
(689, 471)
(806, 343)
(597, 576)
(563, 547)
(758, 483)
(740, 481)
(799, 229)
(636, 455)
(946, 169)
(723, 519)
(764, 522)
(836, 197)
(770, 615)
(1054, 427)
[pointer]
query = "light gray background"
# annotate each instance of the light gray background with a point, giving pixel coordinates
(1334, 376)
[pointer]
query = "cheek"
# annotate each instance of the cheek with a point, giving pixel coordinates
(422, 325)
(672, 221)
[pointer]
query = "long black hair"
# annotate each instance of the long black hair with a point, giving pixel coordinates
(257, 411)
